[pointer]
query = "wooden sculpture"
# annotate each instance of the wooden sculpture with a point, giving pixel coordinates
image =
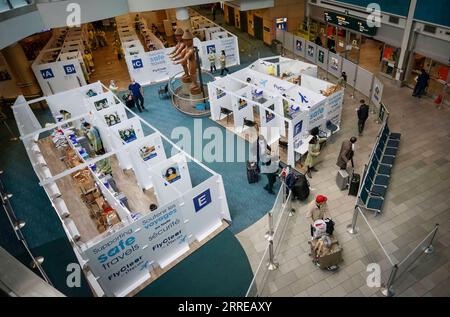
(187, 57)
(177, 54)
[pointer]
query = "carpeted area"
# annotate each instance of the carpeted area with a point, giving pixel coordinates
(43, 230)
(247, 202)
(219, 268)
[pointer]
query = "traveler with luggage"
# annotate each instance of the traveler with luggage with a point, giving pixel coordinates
(270, 168)
(346, 153)
(317, 210)
(298, 184)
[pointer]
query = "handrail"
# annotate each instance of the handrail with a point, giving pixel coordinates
(5, 198)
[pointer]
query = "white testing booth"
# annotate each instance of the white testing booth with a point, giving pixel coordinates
(60, 65)
(190, 207)
(277, 103)
(152, 65)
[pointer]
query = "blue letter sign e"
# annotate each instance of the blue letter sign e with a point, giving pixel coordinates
(69, 69)
(47, 73)
(202, 200)
(137, 63)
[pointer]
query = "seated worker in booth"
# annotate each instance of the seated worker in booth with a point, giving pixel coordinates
(93, 135)
(317, 210)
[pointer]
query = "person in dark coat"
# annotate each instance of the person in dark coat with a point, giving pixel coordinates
(363, 114)
(422, 83)
(346, 153)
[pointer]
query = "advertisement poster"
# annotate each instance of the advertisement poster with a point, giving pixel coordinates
(112, 119)
(158, 65)
(172, 174)
(269, 115)
(220, 93)
(230, 46)
(334, 63)
(119, 262)
(321, 56)
(128, 135)
(299, 45)
(335, 108)
(242, 104)
(163, 230)
(377, 91)
(101, 104)
(310, 51)
(298, 128)
(211, 49)
(316, 115)
(147, 152)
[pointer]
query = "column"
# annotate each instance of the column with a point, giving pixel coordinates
(21, 70)
(405, 42)
(183, 20)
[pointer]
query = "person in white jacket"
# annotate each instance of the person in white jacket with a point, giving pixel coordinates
(270, 167)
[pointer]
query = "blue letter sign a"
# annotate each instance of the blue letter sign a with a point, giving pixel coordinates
(47, 73)
(137, 63)
(202, 200)
(69, 69)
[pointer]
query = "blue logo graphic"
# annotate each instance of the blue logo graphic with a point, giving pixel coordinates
(47, 73)
(303, 98)
(137, 63)
(263, 82)
(202, 200)
(69, 69)
(298, 128)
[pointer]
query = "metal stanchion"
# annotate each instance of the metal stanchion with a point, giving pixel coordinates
(269, 233)
(389, 289)
(352, 228)
(272, 265)
(430, 248)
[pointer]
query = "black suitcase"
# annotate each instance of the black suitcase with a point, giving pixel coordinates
(301, 188)
(252, 172)
(354, 184)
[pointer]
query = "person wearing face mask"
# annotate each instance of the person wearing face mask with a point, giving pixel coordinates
(346, 153)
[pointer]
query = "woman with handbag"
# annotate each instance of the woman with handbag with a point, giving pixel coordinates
(313, 154)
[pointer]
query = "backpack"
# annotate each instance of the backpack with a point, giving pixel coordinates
(301, 187)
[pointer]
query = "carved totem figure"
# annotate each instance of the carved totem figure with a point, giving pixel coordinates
(188, 58)
(177, 54)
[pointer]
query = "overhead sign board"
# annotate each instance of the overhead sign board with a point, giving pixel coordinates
(349, 22)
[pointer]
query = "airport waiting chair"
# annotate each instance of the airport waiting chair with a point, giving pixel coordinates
(248, 123)
(380, 180)
(373, 189)
(382, 169)
(226, 112)
(370, 202)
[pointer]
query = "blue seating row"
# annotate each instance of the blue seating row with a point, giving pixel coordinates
(378, 173)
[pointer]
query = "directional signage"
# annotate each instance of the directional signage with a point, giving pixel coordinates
(349, 22)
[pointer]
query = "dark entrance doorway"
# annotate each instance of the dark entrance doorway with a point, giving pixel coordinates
(231, 18)
(243, 18)
(258, 26)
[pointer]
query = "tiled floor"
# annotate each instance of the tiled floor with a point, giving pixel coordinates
(417, 199)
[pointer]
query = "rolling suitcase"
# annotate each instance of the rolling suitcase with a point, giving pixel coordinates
(354, 184)
(342, 179)
(252, 172)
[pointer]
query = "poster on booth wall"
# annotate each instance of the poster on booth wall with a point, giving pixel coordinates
(322, 58)
(171, 178)
(310, 51)
(317, 115)
(120, 262)
(158, 65)
(230, 46)
(272, 125)
(145, 154)
(377, 91)
(241, 109)
(299, 46)
(334, 64)
(164, 231)
(334, 108)
(298, 128)
(112, 115)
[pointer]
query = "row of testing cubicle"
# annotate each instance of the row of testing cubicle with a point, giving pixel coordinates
(190, 197)
(288, 96)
